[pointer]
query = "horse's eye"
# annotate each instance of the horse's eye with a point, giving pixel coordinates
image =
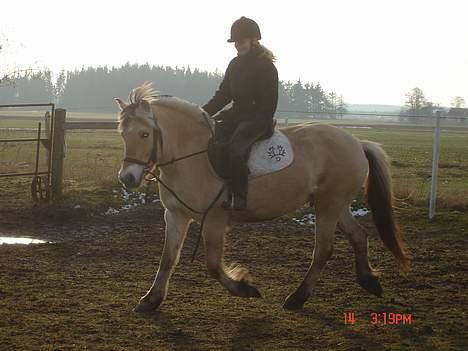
(145, 135)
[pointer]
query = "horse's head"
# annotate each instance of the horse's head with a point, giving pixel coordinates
(141, 135)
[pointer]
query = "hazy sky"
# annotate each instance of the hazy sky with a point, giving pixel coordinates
(370, 51)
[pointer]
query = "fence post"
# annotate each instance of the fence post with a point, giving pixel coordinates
(435, 166)
(58, 154)
(46, 122)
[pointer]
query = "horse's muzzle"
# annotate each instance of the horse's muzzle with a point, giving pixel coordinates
(128, 180)
(131, 177)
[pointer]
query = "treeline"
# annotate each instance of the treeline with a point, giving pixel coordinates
(419, 110)
(93, 89)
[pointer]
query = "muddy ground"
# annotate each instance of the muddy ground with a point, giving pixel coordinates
(79, 292)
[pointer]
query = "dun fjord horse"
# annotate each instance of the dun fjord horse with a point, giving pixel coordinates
(330, 168)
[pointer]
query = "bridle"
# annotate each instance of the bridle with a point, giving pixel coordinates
(152, 158)
(152, 161)
(157, 135)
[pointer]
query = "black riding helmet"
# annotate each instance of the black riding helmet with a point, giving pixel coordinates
(244, 28)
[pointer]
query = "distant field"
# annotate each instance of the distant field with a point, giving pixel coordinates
(30, 119)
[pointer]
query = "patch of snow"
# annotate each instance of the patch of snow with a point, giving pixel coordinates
(310, 219)
(111, 211)
(306, 219)
(360, 212)
(131, 199)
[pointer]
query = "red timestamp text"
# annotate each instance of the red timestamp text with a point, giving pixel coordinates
(382, 318)
(393, 318)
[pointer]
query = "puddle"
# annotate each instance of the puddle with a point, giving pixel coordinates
(22, 241)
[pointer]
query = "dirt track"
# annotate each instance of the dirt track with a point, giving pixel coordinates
(79, 292)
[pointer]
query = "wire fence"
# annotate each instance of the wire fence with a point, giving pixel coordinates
(398, 117)
(282, 113)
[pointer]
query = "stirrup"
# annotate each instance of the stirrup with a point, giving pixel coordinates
(227, 204)
(235, 202)
(239, 202)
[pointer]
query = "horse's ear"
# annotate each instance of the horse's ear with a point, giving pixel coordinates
(120, 103)
(146, 106)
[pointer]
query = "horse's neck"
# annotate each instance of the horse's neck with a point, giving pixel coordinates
(182, 135)
(191, 178)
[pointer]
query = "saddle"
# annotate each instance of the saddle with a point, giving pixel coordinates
(271, 154)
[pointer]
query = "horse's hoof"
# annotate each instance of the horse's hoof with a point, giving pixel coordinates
(295, 301)
(146, 306)
(371, 284)
(244, 289)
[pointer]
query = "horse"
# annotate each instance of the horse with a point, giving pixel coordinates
(330, 169)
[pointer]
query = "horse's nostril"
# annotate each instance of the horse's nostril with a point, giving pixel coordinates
(127, 179)
(130, 179)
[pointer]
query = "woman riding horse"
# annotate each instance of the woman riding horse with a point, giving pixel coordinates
(251, 82)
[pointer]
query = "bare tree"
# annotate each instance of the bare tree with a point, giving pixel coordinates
(457, 102)
(8, 77)
(415, 100)
(417, 104)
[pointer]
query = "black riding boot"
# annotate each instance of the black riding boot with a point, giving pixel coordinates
(240, 188)
(239, 201)
(245, 134)
(227, 204)
(235, 201)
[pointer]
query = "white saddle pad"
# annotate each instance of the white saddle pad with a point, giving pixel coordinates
(270, 155)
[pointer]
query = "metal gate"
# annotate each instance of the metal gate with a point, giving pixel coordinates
(41, 178)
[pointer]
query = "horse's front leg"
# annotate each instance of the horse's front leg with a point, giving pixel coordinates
(235, 278)
(176, 230)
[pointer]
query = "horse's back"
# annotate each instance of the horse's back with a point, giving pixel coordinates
(325, 145)
(327, 161)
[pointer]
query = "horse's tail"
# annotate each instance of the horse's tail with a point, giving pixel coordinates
(379, 197)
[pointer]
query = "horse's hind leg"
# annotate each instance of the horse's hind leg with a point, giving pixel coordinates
(235, 279)
(366, 276)
(176, 230)
(327, 219)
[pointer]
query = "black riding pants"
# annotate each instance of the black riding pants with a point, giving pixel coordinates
(241, 138)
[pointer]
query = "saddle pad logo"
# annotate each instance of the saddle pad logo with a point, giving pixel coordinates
(270, 155)
(276, 152)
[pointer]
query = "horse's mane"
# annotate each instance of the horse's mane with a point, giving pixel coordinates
(143, 92)
(146, 92)
(178, 104)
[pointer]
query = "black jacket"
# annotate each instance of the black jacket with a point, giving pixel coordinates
(251, 82)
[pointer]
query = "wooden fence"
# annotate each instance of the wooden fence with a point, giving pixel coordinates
(60, 127)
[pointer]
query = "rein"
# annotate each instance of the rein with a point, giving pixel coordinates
(157, 179)
(203, 213)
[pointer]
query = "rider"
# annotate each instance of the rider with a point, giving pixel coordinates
(251, 82)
